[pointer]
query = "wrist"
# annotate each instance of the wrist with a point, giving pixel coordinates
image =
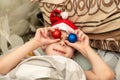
(90, 52)
(34, 44)
(85, 51)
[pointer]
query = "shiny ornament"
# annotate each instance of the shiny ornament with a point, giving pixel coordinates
(72, 37)
(56, 34)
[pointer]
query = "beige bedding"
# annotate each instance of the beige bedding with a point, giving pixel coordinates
(100, 19)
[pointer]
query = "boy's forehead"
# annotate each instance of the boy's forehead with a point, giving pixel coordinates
(64, 34)
(63, 31)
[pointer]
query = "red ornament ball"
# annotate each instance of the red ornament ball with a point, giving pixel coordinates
(56, 34)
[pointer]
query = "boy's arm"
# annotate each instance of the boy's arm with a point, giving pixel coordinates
(41, 38)
(10, 60)
(100, 70)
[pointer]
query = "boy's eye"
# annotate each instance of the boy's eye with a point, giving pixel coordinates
(58, 35)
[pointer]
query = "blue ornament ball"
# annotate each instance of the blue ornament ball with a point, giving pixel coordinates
(72, 37)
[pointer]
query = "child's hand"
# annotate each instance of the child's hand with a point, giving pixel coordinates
(82, 43)
(42, 36)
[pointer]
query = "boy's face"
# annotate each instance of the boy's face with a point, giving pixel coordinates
(60, 48)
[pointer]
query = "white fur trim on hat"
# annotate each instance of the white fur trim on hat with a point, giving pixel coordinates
(63, 26)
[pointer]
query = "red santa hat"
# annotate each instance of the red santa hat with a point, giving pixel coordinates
(59, 20)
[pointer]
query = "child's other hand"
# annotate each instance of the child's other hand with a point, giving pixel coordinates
(82, 43)
(42, 36)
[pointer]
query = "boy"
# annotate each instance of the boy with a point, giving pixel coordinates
(59, 47)
(62, 47)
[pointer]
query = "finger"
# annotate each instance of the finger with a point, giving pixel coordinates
(79, 35)
(38, 31)
(71, 31)
(68, 43)
(46, 32)
(43, 32)
(54, 40)
(56, 28)
(51, 29)
(77, 31)
(83, 37)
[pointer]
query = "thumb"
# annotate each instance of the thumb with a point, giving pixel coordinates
(69, 43)
(54, 40)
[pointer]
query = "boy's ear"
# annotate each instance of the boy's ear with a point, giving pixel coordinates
(73, 55)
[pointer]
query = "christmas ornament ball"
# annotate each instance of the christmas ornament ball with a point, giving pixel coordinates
(56, 34)
(72, 37)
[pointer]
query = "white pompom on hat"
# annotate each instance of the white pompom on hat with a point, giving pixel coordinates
(59, 20)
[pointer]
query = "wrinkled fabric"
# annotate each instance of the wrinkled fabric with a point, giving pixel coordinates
(46, 68)
(99, 19)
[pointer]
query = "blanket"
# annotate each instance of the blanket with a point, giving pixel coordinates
(46, 68)
(99, 19)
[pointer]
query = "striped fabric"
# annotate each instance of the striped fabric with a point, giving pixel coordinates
(100, 19)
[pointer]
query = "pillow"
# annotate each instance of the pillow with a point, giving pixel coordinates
(99, 19)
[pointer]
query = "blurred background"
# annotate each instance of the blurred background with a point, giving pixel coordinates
(19, 20)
